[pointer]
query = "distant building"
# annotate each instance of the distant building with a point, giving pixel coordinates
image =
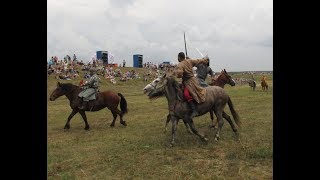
(103, 55)
(138, 60)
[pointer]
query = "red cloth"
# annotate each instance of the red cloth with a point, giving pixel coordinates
(187, 95)
(81, 82)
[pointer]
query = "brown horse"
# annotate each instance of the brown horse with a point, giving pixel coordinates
(216, 100)
(104, 99)
(223, 79)
(264, 83)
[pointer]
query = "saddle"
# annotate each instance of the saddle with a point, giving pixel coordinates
(97, 95)
(91, 103)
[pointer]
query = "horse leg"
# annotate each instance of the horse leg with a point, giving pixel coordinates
(84, 117)
(121, 117)
(174, 129)
(220, 121)
(187, 126)
(114, 118)
(228, 118)
(67, 126)
(117, 111)
(168, 120)
(213, 123)
(191, 125)
(122, 121)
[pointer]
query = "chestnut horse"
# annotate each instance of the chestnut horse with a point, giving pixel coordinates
(104, 99)
(264, 83)
(223, 79)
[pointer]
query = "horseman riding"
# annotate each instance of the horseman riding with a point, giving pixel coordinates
(90, 88)
(192, 90)
(89, 92)
(202, 71)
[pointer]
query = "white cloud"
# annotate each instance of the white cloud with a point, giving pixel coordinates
(237, 34)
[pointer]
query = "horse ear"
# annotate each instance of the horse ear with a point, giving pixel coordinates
(58, 84)
(224, 70)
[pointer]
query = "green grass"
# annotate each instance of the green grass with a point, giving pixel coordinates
(141, 150)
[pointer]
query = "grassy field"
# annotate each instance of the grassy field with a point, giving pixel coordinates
(141, 150)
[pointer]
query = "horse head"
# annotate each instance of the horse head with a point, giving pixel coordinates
(168, 86)
(227, 78)
(61, 89)
(151, 85)
(157, 87)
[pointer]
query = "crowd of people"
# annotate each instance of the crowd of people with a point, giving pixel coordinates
(68, 69)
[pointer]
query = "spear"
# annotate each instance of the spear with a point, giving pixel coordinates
(199, 52)
(185, 45)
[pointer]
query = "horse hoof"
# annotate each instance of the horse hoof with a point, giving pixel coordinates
(172, 144)
(111, 125)
(237, 137)
(124, 123)
(204, 139)
(87, 128)
(67, 127)
(216, 139)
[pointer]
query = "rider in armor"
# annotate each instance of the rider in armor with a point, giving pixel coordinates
(90, 88)
(202, 71)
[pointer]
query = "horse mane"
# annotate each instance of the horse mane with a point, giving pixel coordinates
(172, 83)
(177, 87)
(68, 86)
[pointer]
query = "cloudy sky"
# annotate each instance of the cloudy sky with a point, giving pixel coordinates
(236, 34)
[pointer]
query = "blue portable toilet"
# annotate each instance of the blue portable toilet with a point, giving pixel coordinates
(103, 55)
(138, 60)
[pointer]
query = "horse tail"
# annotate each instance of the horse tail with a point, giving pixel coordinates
(123, 104)
(234, 113)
